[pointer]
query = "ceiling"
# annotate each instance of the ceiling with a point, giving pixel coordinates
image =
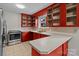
(30, 7)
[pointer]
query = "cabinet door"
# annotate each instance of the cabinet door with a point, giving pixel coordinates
(56, 14)
(71, 14)
(30, 35)
(36, 35)
(53, 15)
(43, 35)
(25, 36)
(23, 20)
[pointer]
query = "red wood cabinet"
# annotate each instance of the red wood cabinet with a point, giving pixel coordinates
(26, 36)
(60, 51)
(27, 20)
(57, 13)
(37, 35)
(43, 35)
(23, 20)
(67, 16)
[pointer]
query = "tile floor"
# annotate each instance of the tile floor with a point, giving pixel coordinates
(22, 49)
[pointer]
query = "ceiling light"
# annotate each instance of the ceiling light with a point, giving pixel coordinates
(20, 6)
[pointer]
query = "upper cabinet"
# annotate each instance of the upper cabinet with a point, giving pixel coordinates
(30, 21)
(53, 15)
(56, 15)
(23, 20)
(71, 14)
(63, 15)
(49, 18)
(27, 20)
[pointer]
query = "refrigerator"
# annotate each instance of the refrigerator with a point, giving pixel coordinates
(1, 32)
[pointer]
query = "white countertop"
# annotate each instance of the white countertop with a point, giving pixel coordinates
(48, 44)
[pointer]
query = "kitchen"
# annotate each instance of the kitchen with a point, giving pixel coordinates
(47, 30)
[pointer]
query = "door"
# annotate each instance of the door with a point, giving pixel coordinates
(36, 36)
(26, 36)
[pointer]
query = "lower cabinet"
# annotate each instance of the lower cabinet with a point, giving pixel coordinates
(56, 52)
(26, 36)
(37, 35)
(60, 51)
(43, 35)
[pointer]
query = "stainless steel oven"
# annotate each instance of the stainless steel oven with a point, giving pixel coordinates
(14, 37)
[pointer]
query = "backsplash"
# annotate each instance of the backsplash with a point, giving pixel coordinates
(49, 29)
(65, 29)
(60, 29)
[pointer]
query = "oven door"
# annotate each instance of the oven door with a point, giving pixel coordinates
(14, 38)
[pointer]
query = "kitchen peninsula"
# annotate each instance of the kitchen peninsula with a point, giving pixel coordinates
(55, 44)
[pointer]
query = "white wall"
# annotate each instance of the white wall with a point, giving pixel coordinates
(13, 20)
(74, 44)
